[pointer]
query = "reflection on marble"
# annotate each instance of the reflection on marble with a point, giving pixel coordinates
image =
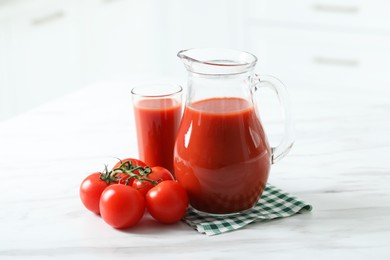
(339, 164)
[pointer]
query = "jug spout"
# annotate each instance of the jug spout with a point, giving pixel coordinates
(187, 60)
(211, 61)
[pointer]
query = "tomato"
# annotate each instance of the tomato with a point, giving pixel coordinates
(124, 178)
(127, 164)
(132, 161)
(157, 175)
(91, 189)
(167, 202)
(121, 206)
(160, 174)
(142, 186)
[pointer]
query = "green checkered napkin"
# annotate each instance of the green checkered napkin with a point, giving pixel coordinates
(274, 203)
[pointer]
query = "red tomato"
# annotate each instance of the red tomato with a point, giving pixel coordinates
(157, 175)
(160, 174)
(125, 178)
(91, 189)
(142, 186)
(121, 206)
(134, 162)
(167, 202)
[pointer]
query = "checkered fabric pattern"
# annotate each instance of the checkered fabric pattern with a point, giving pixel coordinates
(273, 204)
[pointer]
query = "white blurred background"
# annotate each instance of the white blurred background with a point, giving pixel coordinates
(51, 47)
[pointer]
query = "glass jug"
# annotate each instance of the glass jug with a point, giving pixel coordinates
(221, 155)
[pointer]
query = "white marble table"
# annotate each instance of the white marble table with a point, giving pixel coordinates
(340, 164)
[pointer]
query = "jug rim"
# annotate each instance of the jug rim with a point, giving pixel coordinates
(217, 61)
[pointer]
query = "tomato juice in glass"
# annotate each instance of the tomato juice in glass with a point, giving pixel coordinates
(157, 112)
(222, 156)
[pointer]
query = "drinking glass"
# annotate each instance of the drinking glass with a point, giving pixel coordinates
(157, 112)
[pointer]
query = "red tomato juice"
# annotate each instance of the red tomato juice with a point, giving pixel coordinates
(157, 122)
(222, 156)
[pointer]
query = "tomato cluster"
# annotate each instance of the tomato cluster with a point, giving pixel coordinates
(122, 194)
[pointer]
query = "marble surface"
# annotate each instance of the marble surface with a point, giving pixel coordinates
(340, 164)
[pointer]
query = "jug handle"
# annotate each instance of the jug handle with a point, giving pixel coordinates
(280, 90)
